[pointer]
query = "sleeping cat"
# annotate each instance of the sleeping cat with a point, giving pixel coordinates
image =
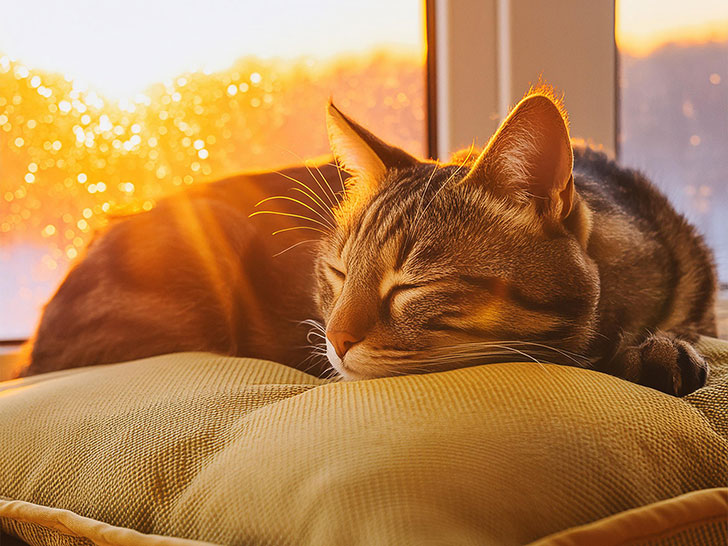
(528, 250)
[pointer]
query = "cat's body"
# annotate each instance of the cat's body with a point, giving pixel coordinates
(425, 267)
(656, 273)
(195, 273)
(655, 270)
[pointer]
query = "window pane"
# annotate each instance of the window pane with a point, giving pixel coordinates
(111, 105)
(673, 117)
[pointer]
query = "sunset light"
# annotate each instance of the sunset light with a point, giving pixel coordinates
(105, 107)
(673, 99)
(120, 47)
(645, 25)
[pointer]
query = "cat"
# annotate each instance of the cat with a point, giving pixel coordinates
(531, 249)
(195, 273)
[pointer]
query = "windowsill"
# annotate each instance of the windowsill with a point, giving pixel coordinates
(7, 348)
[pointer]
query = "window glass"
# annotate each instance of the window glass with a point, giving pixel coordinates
(673, 114)
(114, 104)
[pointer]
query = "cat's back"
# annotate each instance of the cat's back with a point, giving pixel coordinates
(194, 273)
(655, 268)
(612, 188)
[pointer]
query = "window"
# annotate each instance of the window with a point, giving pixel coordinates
(673, 114)
(489, 52)
(103, 108)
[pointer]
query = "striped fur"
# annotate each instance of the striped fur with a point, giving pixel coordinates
(446, 265)
(507, 253)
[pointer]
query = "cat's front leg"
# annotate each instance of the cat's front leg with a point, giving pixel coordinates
(664, 361)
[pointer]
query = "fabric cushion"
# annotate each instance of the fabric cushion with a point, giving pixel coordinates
(238, 451)
(699, 517)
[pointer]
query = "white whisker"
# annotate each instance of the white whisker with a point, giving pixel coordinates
(294, 246)
(313, 195)
(338, 171)
(453, 175)
(298, 202)
(279, 213)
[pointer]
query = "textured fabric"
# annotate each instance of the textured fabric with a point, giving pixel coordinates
(699, 517)
(237, 451)
(42, 525)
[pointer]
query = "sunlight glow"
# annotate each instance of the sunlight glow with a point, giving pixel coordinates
(122, 46)
(644, 25)
(106, 107)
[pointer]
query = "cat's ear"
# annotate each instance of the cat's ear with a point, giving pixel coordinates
(359, 152)
(530, 158)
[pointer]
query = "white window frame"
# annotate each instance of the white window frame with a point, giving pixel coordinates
(485, 54)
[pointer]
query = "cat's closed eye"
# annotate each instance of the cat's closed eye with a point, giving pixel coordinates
(398, 294)
(337, 272)
(335, 279)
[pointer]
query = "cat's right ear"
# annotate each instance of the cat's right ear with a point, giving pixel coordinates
(529, 159)
(359, 152)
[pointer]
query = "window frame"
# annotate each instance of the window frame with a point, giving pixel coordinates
(464, 108)
(517, 42)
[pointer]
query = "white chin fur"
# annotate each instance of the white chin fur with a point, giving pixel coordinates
(337, 363)
(333, 357)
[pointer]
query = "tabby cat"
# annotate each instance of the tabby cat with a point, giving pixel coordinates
(529, 250)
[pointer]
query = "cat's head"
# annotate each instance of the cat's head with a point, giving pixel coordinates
(433, 266)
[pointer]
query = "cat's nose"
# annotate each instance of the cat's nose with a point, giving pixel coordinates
(342, 341)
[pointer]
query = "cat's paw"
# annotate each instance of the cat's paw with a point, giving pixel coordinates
(668, 364)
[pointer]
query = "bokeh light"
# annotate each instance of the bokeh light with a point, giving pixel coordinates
(71, 155)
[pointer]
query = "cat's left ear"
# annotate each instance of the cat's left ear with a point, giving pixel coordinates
(359, 152)
(530, 158)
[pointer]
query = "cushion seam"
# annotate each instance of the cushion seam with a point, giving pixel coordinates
(672, 530)
(46, 527)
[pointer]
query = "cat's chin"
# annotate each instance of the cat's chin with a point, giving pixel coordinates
(346, 372)
(350, 373)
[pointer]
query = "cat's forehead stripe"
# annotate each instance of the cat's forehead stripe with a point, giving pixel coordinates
(405, 249)
(396, 222)
(407, 198)
(370, 217)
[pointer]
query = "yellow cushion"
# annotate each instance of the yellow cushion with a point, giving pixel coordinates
(239, 451)
(699, 517)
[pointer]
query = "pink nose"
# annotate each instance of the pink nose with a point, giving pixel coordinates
(342, 341)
